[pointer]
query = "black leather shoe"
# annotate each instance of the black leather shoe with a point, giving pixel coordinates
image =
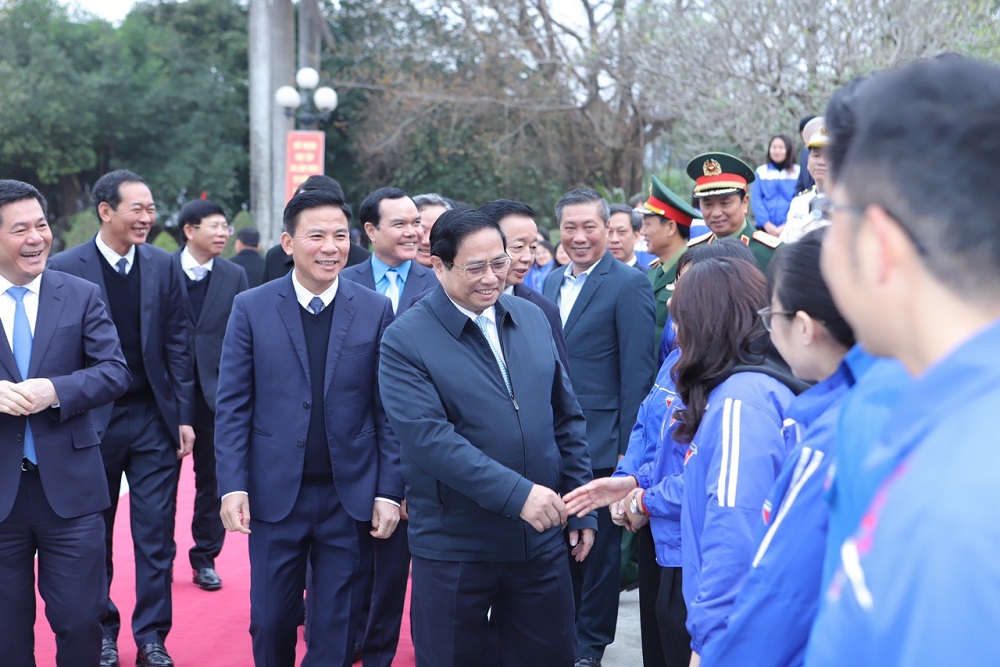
(207, 579)
(153, 654)
(109, 653)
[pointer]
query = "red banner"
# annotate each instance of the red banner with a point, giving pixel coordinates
(304, 157)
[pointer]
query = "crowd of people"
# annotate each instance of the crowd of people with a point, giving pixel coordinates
(792, 415)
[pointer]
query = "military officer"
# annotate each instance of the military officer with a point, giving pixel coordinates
(667, 224)
(721, 182)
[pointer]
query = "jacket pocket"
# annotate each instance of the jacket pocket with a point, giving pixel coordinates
(85, 437)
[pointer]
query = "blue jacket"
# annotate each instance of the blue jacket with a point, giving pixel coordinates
(729, 469)
(657, 463)
(470, 452)
(771, 192)
(782, 589)
(863, 459)
(918, 582)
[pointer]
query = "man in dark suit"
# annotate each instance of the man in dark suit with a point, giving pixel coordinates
(297, 408)
(211, 284)
(248, 254)
(607, 313)
(490, 435)
(60, 359)
(392, 223)
(517, 222)
(624, 230)
(278, 262)
(150, 427)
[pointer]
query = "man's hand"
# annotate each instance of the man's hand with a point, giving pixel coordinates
(773, 229)
(695, 660)
(598, 493)
(13, 401)
(40, 392)
(617, 510)
(581, 547)
(404, 515)
(543, 509)
(235, 513)
(385, 518)
(187, 440)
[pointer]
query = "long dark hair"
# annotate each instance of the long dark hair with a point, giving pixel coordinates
(715, 309)
(789, 153)
(794, 278)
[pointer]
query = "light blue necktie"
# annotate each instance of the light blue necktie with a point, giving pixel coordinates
(483, 323)
(22, 355)
(316, 305)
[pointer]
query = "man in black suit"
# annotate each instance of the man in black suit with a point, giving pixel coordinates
(59, 359)
(149, 428)
(248, 254)
(517, 221)
(302, 437)
(211, 285)
(278, 263)
(392, 222)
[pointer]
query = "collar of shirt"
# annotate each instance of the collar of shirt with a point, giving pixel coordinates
(569, 275)
(112, 257)
(188, 262)
(632, 261)
(490, 312)
(8, 305)
(304, 296)
(509, 289)
(379, 269)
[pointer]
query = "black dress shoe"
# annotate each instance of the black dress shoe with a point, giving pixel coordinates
(109, 653)
(207, 579)
(153, 654)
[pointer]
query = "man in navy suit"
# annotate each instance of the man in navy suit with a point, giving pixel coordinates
(150, 427)
(301, 436)
(248, 255)
(624, 229)
(517, 222)
(608, 314)
(59, 360)
(491, 435)
(211, 283)
(393, 225)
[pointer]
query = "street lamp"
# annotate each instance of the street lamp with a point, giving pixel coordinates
(317, 109)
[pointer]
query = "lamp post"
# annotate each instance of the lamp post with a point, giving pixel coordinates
(317, 107)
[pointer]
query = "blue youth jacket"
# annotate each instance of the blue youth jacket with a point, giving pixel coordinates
(918, 581)
(729, 469)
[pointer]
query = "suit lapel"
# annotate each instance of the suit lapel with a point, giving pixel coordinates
(50, 305)
(590, 286)
(550, 288)
(344, 311)
(188, 306)
(288, 310)
(90, 269)
(217, 280)
(367, 275)
(416, 283)
(149, 287)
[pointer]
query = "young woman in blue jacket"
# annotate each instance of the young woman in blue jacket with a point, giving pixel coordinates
(770, 622)
(774, 186)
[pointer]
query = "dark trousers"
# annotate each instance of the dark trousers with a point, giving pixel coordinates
(383, 615)
(338, 548)
(671, 616)
(138, 444)
(596, 586)
(206, 525)
(71, 579)
(530, 603)
(649, 588)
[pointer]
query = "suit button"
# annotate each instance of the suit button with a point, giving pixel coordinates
(18, 438)
(301, 443)
(306, 405)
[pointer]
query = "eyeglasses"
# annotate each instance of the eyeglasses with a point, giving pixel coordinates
(828, 208)
(217, 227)
(478, 270)
(766, 314)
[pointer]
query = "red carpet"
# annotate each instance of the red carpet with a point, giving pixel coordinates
(210, 628)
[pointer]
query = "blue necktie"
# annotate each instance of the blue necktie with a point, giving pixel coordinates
(316, 305)
(22, 355)
(483, 323)
(122, 264)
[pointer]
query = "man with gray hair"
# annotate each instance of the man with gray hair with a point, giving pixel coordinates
(430, 206)
(607, 313)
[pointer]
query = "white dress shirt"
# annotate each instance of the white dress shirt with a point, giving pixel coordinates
(304, 296)
(112, 257)
(7, 306)
(189, 263)
(570, 289)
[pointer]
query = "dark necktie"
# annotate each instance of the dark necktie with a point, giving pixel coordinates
(122, 263)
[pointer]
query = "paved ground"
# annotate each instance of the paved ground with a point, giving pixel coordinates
(627, 649)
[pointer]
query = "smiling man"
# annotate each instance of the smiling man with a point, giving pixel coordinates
(608, 315)
(150, 427)
(298, 408)
(393, 225)
(490, 434)
(721, 183)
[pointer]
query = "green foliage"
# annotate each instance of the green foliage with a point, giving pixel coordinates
(165, 241)
(82, 227)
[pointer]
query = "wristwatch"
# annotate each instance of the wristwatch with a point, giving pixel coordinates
(634, 505)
